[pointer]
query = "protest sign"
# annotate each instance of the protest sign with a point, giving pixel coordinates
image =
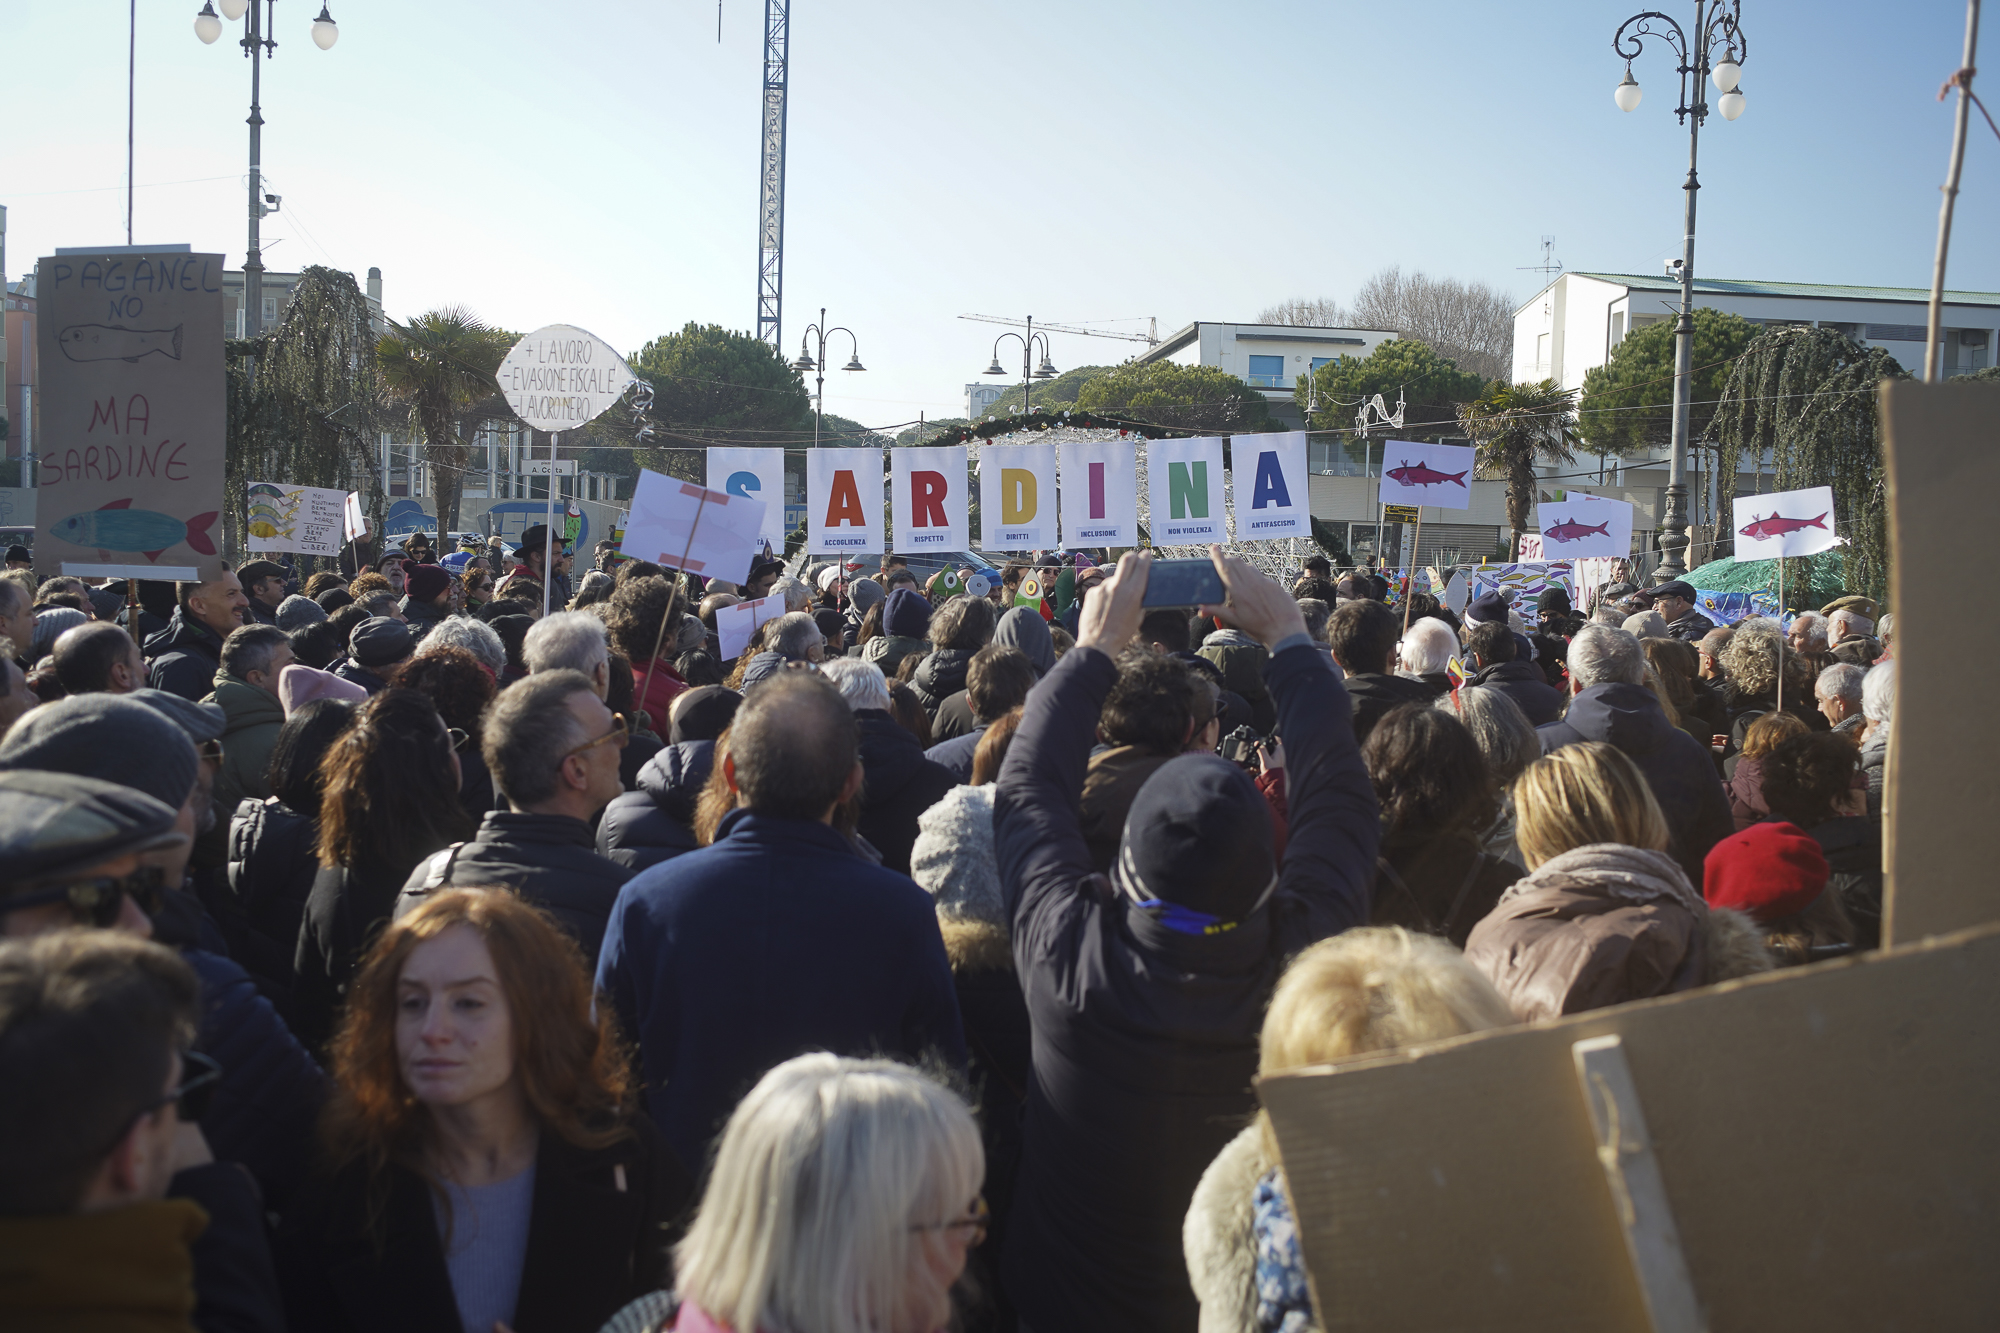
(755, 474)
(1584, 525)
(843, 501)
(684, 526)
(1271, 471)
(1184, 491)
(1785, 523)
(308, 519)
(734, 625)
(927, 498)
(1017, 497)
(353, 518)
(1100, 494)
(134, 410)
(1439, 475)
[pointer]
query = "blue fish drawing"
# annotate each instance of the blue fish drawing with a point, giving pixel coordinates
(119, 527)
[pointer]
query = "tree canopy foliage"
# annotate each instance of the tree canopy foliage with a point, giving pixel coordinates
(441, 366)
(1058, 392)
(1432, 386)
(1628, 402)
(1515, 427)
(1165, 393)
(1809, 396)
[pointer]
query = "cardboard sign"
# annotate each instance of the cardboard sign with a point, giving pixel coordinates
(1017, 497)
(843, 501)
(1100, 494)
(560, 377)
(353, 518)
(307, 519)
(1583, 525)
(1785, 523)
(754, 474)
(684, 526)
(1272, 500)
(1439, 475)
(1184, 491)
(133, 414)
(927, 498)
(734, 625)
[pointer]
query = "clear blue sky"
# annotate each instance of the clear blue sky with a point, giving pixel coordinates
(596, 164)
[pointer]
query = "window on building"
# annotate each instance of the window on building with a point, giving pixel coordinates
(1319, 361)
(270, 309)
(1267, 372)
(1541, 353)
(1617, 328)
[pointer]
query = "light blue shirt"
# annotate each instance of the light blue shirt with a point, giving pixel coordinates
(486, 1242)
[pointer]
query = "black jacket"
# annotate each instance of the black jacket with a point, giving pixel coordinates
(592, 1245)
(1439, 886)
(1373, 695)
(1739, 710)
(939, 676)
(1680, 772)
(235, 1280)
(1852, 846)
(1145, 1039)
(954, 718)
(344, 912)
(899, 785)
(656, 823)
(349, 669)
(185, 657)
(272, 865)
(1524, 683)
(547, 859)
(1690, 628)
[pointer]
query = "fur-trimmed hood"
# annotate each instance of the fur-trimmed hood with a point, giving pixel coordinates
(976, 946)
(1219, 1235)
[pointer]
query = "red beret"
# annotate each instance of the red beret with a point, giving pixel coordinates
(1768, 870)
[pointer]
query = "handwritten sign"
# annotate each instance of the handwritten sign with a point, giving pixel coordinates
(735, 625)
(307, 519)
(560, 377)
(134, 413)
(684, 526)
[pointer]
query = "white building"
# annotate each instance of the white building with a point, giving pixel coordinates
(1268, 357)
(1571, 325)
(979, 397)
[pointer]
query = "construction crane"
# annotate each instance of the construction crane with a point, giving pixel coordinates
(1150, 337)
(771, 175)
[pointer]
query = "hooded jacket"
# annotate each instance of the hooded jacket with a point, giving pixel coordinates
(1604, 924)
(546, 859)
(1219, 1238)
(251, 722)
(939, 676)
(1373, 695)
(1680, 772)
(898, 785)
(1243, 660)
(656, 823)
(1145, 1038)
(1023, 628)
(1524, 683)
(272, 864)
(185, 657)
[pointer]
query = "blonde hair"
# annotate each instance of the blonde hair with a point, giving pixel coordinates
(1367, 990)
(1583, 794)
(830, 1176)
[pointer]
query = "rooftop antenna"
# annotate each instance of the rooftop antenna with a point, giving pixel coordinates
(1549, 264)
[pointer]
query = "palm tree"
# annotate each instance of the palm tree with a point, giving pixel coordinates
(1516, 426)
(442, 364)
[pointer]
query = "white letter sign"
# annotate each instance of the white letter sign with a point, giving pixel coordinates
(1100, 494)
(927, 498)
(1272, 499)
(843, 501)
(754, 474)
(1017, 497)
(1184, 490)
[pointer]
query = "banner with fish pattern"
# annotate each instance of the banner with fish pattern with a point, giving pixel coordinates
(1522, 583)
(306, 519)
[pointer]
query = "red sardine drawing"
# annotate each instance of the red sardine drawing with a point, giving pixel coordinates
(1416, 474)
(1774, 526)
(1569, 530)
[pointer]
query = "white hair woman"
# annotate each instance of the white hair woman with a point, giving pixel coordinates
(844, 1199)
(1425, 653)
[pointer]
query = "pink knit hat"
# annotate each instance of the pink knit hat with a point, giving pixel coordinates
(299, 685)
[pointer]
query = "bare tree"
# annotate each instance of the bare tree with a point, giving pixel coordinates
(1468, 322)
(1321, 313)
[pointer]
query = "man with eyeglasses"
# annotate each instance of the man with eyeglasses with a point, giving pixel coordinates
(113, 1211)
(553, 749)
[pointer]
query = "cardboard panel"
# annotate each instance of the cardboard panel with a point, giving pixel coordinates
(1824, 1135)
(1942, 443)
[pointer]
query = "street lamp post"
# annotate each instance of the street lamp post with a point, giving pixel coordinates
(1045, 371)
(256, 45)
(807, 362)
(1717, 24)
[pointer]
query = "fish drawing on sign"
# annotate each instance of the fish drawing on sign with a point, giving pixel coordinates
(119, 527)
(115, 342)
(261, 528)
(1416, 474)
(266, 488)
(1569, 530)
(1773, 526)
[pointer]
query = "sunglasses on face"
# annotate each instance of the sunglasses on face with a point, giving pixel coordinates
(199, 1077)
(97, 901)
(619, 734)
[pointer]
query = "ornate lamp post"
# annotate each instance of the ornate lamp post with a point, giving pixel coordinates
(1045, 371)
(1717, 31)
(807, 362)
(256, 45)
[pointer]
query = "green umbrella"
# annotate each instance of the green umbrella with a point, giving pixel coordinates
(1826, 578)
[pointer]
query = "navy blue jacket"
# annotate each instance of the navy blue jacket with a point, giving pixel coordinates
(899, 785)
(1145, 1040)
(1677, 768)
(776, 940)
(185, 657)
(1523, 682)
(955, 755)
(656, 823)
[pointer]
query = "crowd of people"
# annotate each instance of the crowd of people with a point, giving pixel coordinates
(450, 943)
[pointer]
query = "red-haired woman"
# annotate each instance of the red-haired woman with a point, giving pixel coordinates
(486, 1168)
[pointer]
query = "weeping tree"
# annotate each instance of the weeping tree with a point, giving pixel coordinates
(441, 367)
(1515, 427)
(305, 402)
(1808, 395)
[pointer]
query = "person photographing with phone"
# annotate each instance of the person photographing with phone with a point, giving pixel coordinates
(1145, 988)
